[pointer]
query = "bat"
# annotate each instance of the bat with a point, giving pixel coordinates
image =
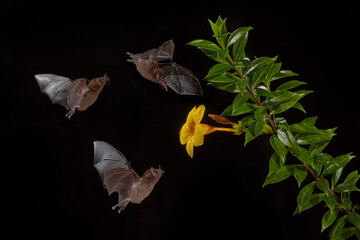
(117, 176)
(168, 74)
(74, 95)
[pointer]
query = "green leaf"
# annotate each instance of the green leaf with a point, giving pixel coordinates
(264, 91)
(352, 177)
(328, 219)
(260, 116)
(217, 70)
(354, 218)
(250, 133)
(279, 147)
(310, 121)
(286, 138)
(225, 77)
(317, 148)
(210, 49)
(289, 85)
(280, 174)
(330, 201)
(238, 39)
(305, 195)
(335, 233)
(205, 45)
(233, 87)
(274, 163)
(304, 127)
(258, 63)
(258, 77)
(307, 139)
(214, 27)
(346, 187)
(349, 232)
(335, 177)
(283, 74)
(239, 101)
(339, 162)
(273, 69)
(314, 200)
(323, 184)
(299, 106)
(323, 159)
(300, 174)
(302, 154)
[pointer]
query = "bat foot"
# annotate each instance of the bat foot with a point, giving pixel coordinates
(121, 205)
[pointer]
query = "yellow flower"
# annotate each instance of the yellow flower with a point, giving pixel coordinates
(192, 132)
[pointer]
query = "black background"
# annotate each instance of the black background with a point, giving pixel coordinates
(49, 188)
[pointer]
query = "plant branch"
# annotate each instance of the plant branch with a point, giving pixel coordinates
(271, 119)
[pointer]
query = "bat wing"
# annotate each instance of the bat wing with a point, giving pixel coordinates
(165, 51)
(180, 79)
(108, 157)
(55, 87)
(115, 172)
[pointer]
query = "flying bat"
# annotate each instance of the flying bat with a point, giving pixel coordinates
(168, 74)
(117, 176)
(74, 95)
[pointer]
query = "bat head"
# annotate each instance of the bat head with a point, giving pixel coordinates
(98, 83)
(154, 174)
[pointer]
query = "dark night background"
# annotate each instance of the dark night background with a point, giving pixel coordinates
(49, 187)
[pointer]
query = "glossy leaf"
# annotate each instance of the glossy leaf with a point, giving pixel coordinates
(302, 154)
(258, 63)
(217, 70)
(260, 116)
(286, 138)
(323, 184)
(205, 45)
(330, 201)
(239, 39)
(328, 219)
(280, 174)
(305, 195)
(300, 174)
(335, 233)
(289, 85)
(335, 177)
(279, 147)
(283, 74)
(339, 162)
(354, 218)
(314, 200)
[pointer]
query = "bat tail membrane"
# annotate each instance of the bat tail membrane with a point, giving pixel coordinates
(181, 80)
(108, 157)
(55, 87)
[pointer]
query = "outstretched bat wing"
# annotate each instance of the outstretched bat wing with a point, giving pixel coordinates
(180, 79)
(55, 87)
(164, 52)
(108, 157)
(115, 172)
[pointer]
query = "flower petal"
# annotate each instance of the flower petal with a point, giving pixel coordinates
(198, 136)
(198, 114)
(190, 147)
(190, 116)
(185, 133)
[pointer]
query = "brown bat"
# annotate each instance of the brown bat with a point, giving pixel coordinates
(117, 175)
(169, 74)
(78, 94)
